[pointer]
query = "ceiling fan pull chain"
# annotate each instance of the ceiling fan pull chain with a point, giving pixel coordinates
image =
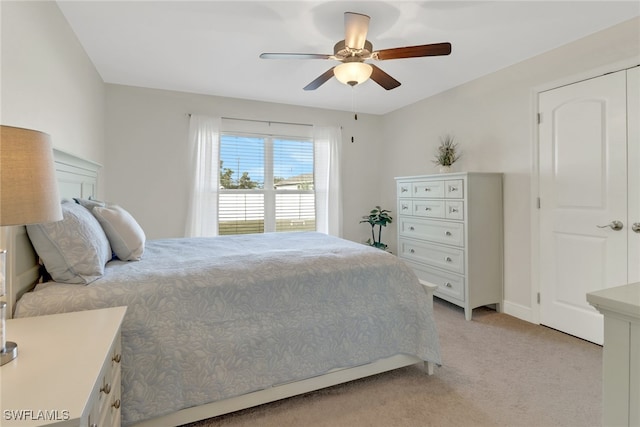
(353, 102)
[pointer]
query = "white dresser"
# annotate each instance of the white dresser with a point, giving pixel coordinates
(67, 372)
(450, 233)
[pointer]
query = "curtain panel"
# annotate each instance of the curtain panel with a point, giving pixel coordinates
(327, 148)
(204, 140)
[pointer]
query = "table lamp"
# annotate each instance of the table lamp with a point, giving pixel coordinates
(28, 195)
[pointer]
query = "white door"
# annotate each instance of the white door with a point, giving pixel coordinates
(583, 192)
(633, 149)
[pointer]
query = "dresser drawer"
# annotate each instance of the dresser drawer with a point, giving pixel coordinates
(405, 207)
(454, 209)
(434, 189)
(449, 284)
(447, 258)
(451, 233)
(429, 208)
(405, 189)
(454, 189)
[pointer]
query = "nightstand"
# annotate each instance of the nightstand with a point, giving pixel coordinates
(67, 371)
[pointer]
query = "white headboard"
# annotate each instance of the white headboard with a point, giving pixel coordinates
(76, 177)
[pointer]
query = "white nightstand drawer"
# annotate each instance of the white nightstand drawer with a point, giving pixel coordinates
(451, 233)
(447, 258)
(449, 284)
(454, 189)
(429, 208)
(454, 209)
(433, 189)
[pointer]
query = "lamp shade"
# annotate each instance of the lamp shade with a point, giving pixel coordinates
(352, 73)
(28, 187)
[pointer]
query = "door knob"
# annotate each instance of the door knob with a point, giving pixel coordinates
(636, 227)
(615, 225)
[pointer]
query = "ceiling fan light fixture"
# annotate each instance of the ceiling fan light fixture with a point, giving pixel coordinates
(353, 73)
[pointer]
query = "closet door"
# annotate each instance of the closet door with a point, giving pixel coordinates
(583, 200)
(633, 126)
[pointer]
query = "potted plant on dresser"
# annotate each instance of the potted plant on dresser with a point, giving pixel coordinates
(447, 153)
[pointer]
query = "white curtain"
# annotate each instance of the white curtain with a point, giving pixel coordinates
(204, 140)
(327, 142)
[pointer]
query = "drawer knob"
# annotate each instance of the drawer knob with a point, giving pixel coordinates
(448, 259)
(427, 208)
(452, 188)
(405, 207)
(116, 358)
(447, 233)
(403, 189)
(411, 228)
(448, 285)
(453, 210)
(116, 404)
(106, 389)
(413, 251)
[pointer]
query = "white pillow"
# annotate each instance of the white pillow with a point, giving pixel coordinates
(125, 235)
(74, 250)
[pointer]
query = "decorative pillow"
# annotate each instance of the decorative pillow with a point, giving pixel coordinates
(125, 235)
(74, 250)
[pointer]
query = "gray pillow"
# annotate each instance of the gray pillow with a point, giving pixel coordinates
(74, 250)
(125, 235)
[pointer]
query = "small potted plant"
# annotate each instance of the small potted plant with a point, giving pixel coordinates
(447, 153)
(377, 217)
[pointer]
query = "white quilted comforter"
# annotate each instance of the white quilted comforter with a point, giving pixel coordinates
(211, 318)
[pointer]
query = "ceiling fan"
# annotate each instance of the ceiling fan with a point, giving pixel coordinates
(355, 49)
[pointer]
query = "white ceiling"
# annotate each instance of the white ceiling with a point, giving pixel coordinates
(213, 47)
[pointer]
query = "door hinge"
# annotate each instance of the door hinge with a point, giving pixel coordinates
(538, 202)
(539, 118)
(538, 298)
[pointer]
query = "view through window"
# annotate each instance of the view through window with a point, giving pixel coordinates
(266, 184)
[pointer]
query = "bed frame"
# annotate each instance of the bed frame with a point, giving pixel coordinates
(78, 178)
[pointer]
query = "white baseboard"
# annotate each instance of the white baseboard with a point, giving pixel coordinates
(520, 311)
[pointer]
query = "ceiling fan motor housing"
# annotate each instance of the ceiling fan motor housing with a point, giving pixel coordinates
(342, 52)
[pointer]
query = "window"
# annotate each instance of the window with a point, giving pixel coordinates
(266, 184)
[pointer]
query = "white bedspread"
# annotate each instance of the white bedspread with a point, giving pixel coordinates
(211, 318)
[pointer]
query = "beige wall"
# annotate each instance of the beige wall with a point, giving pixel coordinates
(48, 82)
(149, 169)
(492, 119)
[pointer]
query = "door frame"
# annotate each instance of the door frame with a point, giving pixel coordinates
(534, 314)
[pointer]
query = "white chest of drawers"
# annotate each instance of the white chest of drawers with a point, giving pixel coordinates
(450, 233)
(67, 372)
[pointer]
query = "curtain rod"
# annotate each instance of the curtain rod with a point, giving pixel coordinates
(264, 121)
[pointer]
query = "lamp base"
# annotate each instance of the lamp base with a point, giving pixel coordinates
(9, 353)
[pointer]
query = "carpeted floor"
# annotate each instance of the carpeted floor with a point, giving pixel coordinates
(497, 371)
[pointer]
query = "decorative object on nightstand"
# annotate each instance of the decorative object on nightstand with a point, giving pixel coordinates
(28, 195)
(377, 217)
(450, 233)
(447, 154)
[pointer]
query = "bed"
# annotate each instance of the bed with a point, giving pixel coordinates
(220, 324)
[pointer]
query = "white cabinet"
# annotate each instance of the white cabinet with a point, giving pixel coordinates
(67, 371)
(450, 233)
(621, 355)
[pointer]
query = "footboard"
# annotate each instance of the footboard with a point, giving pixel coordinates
(429, 288)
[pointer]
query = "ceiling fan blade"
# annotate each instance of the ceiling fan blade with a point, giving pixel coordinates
(356, 26)
(383, 79)
(322, 79)
(436, 49)
(294, 56)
